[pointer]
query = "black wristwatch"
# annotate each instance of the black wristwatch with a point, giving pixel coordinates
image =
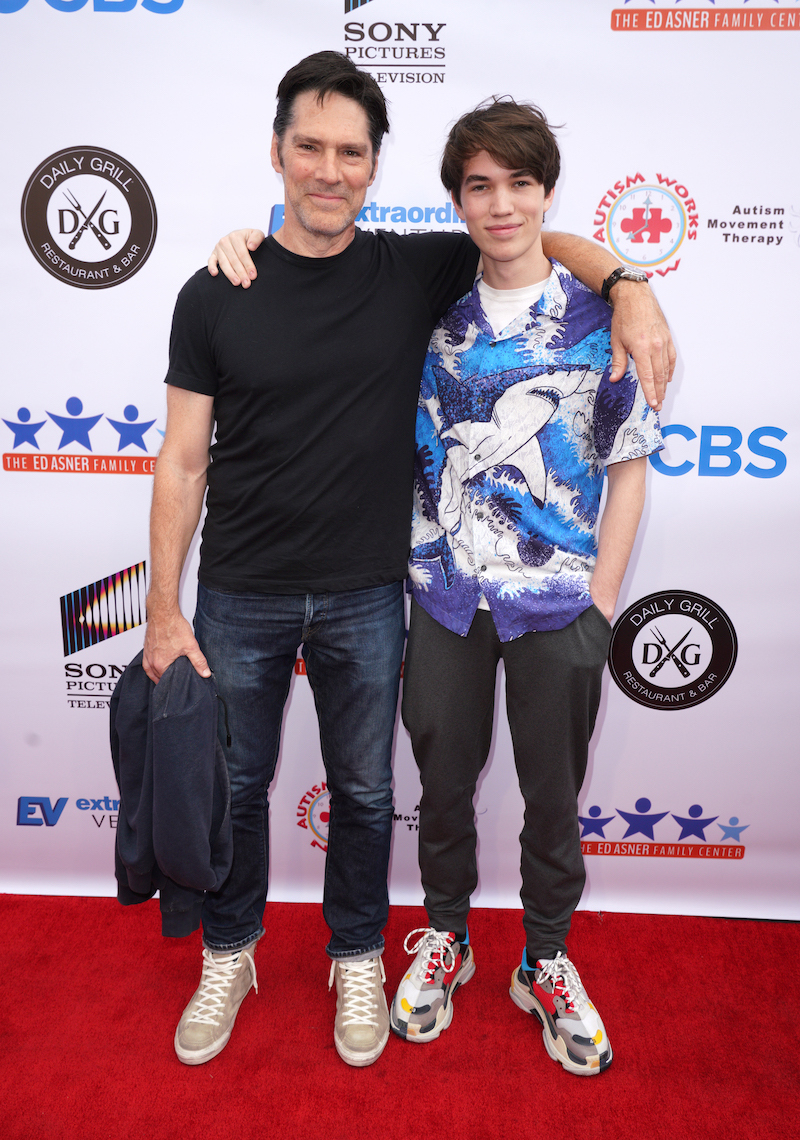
(625, 273)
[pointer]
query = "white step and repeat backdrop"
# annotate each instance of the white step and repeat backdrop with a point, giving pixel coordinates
(135, 132)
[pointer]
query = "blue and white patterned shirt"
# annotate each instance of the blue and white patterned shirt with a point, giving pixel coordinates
(513, 436)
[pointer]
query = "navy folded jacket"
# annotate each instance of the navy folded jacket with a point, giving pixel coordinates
(174, 828)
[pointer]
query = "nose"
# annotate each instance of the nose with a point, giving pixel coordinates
(328, 167)
(501, 203)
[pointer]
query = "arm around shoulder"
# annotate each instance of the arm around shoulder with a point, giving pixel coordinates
(178, 489)
(638, 326)
(231, 254)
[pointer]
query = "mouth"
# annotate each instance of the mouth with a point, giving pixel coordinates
(504, 230)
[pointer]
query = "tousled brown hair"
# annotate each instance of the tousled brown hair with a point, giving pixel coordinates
(516, 135)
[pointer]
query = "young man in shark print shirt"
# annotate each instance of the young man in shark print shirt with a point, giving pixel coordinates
(517, 425)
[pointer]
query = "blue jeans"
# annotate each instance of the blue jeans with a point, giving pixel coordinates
(353, 647)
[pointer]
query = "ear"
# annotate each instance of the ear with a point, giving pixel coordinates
(457, 207)
(274, 155)
(374, 169)
(548, 202)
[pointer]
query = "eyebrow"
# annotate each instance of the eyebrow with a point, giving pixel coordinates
(486, 178)
(319, 142)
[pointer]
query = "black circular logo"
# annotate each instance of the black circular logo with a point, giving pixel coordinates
(672, 650)
(89, 217)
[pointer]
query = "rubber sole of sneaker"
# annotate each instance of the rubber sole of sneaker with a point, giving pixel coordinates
(361, 1060)
(445, 1014)
(200, 1056)
(553, 1042)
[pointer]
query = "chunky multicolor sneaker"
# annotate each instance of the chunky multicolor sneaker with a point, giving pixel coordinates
(572, 1030)
(423, 1005)
(361, 1026)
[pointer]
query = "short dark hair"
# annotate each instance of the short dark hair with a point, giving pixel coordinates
(329, 72)
(516, 135)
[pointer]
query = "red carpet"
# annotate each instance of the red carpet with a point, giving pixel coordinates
(703, 1015)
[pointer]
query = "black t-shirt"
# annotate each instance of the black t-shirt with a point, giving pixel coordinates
(315, 373)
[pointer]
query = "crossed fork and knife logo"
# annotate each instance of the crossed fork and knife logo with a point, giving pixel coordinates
(670, 654)
(88, 224)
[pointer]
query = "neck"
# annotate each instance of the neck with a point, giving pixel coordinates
(308, 244)
(516, 274)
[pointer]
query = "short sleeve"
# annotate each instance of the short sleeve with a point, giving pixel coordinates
(444, 264)
(191, 360)
(640, 434)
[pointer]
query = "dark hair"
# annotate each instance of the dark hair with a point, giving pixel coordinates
(326, 72)
(516, 135)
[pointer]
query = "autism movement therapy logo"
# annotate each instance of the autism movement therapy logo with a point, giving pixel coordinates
(672, 650)
(88, 217)
(645, 223)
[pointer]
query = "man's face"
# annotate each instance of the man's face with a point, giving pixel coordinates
(327, 163)
(504, 210)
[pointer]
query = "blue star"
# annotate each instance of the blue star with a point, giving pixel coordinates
(24, 432)
(732, 832)
(694, 826)
(593, 825)
(641, 824)
(74, 429)
(130, 432)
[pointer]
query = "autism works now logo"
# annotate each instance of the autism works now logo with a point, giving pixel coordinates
(672, 650)
(644, 223)
(313, 815)
(89, 217)
(103, 609)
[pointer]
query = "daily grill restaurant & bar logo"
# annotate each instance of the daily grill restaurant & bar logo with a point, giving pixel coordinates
(88, 217)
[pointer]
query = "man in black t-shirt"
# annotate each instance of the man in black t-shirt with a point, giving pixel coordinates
(311, 376)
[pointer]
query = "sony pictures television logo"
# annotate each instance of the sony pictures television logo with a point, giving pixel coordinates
(89, 217)
(672, 650)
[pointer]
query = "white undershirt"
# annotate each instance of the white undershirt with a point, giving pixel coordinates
(501, 306)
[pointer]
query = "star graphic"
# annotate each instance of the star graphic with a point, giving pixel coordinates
(693, 825)
(72, 428)
(640, 823)
(730, 830)
(131, 432)
(593, 825)
(24, 431)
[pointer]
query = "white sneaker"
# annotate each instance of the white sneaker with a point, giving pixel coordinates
(361, 1028)
(207, 1022)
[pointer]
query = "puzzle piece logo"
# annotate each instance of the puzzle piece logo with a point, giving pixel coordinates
(645, 223)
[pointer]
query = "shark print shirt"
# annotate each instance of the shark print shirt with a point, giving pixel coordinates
(512, 439)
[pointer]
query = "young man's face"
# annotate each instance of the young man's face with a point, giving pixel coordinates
(504, 210)
(327, 164)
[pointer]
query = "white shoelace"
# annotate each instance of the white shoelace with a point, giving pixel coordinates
(216, 980)
(560, 968)
(359, 999)
(437, 949)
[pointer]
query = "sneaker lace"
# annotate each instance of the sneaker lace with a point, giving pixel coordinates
(566, 980)
(215, 983)
(359, 990)
(437, 950)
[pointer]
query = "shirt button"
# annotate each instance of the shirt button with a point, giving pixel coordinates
(477, 456)
(479, 515)
(493, 344)
(483, 569)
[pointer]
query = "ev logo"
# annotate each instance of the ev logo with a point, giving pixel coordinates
(89, 217)
(164, 7)
(672, 650)
(50, 813)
